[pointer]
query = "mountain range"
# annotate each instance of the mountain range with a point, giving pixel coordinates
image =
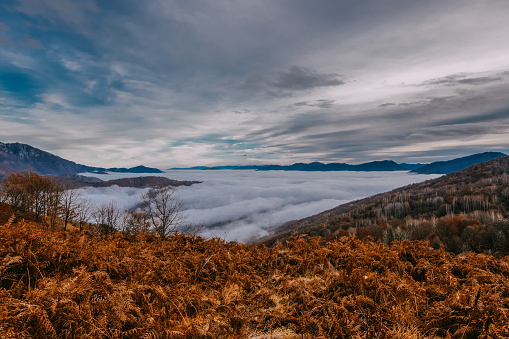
(439, 167)
(385, 165)
(17, 157)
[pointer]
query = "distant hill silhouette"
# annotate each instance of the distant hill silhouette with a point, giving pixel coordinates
(444, 167)
(78, 181)
(17, 157)
(373, 166)
(137, 169)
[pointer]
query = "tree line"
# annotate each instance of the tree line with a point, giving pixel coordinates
(51, 203)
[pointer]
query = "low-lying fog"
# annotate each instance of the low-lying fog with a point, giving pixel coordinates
(242, 205)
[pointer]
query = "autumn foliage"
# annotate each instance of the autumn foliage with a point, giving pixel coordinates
(33, 195)
(74, 285)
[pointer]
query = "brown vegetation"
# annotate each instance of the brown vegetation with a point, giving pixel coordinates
(74, 285)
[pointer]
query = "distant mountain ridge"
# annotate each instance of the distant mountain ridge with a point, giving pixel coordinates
(17, 157)
(411, 167)
(445, 167)
(385, 165)
(438, 167)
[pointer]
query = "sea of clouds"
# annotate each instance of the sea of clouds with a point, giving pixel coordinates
(243, 205)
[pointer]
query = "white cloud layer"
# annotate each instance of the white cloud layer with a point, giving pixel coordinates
(242, 205)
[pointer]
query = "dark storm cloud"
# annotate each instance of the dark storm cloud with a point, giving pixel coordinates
(322, 103)
(478, 81)
(460, 97)
(303, 78)
(296, 79)
(278, 94)
(301, 123)
(488, 117)
(453, 131)
(462, 79)
(387, 104)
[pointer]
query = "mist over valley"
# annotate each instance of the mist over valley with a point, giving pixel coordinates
(243, 205)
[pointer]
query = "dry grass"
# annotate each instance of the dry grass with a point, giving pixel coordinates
(58, 285)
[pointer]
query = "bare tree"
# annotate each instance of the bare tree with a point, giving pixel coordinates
(164, 210)
(107, 218)
(83, 213)
(38, 188)
(53, 201)
(3, 196)
(69, 201)
(134, 222)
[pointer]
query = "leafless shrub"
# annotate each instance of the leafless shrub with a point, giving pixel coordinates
(134, 222)
(107, 219)
(164, 210)
(82, 213)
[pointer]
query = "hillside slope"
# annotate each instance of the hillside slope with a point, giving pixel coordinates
(6, 170)
(20, 157)
(479, 195)
(17, 157)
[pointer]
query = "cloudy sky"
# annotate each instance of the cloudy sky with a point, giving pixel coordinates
(185, 82)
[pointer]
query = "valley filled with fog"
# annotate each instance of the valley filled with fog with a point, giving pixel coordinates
(243, 205)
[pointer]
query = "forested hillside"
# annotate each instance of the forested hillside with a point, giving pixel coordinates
(461, 211)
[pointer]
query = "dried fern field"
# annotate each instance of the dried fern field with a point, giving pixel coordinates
(75, 285)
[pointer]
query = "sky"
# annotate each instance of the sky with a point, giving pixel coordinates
(174, 83)
(246, 205)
